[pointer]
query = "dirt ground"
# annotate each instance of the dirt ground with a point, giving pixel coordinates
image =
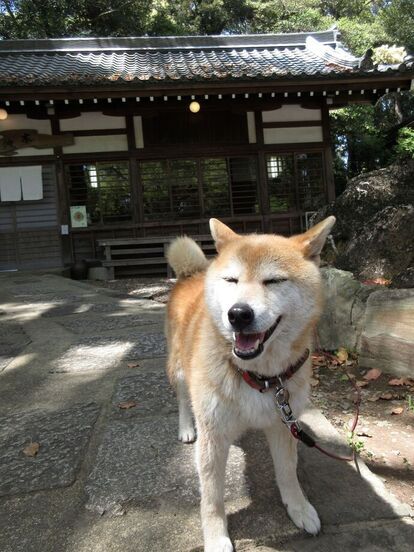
(384, 434)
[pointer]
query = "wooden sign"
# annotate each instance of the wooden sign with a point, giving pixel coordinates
(12, 140)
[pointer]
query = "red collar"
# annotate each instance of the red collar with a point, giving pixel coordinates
(263, 384)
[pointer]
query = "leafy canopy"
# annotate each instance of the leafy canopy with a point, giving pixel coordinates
(363, 23)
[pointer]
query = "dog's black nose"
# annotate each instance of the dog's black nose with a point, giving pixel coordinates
(240, 316)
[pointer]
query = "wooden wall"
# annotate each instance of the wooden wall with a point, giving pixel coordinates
(29, 236)
(30, 232)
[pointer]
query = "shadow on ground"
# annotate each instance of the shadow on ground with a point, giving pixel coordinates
(108, 479)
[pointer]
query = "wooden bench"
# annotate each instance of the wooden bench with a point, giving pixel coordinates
(143, 256)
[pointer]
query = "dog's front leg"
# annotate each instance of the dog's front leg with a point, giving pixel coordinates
(212, 450)
(284, 453)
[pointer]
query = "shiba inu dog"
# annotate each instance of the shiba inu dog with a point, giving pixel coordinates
(233, 325)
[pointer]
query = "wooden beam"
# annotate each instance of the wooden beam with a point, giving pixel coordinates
(327, 154)
(292, 124)
(305, 86)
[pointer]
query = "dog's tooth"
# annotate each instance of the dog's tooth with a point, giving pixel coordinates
(234, 336)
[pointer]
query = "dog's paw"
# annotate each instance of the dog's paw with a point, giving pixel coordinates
(305, 517)
(222, 544)
(187, 435)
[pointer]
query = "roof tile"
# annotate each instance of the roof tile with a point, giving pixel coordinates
(172, 59)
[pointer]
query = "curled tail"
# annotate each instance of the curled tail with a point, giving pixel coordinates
(185, 257)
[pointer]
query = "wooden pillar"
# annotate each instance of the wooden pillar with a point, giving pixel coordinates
(261, 173)
(327, 153)
(62, 197)
(136, 196)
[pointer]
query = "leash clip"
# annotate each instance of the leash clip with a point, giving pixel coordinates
(281, 395)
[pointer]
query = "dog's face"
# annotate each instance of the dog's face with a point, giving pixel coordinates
(262, 289)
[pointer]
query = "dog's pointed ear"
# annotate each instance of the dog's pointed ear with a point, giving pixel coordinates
(221, 233)
(311, 242)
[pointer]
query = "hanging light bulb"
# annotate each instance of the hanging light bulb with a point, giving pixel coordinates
(3, 114)
(194, 107)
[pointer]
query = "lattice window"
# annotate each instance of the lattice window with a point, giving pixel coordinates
(243, 176)
(311, 187)
(156, 192)
(295, 181)
(103, 188)
(192, 188)
(215, 184)
(170, 189)
(281, 182)
(185, 197)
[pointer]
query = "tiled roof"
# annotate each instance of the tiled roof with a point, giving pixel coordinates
(147, 61)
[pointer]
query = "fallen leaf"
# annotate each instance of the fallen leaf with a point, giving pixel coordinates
(362, 383)
(314, 382)
(377, 282)
(396, 382)
(374, 398)
(125, 405)
(372, 374)
(31, 449)
(318, 360)
(342, 354)
(387, 396)
(398, 410)
(132, 364)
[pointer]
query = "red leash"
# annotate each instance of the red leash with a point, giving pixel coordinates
(354, 424)
(282, 401)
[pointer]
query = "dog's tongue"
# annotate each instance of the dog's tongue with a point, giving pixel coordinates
(246, 342)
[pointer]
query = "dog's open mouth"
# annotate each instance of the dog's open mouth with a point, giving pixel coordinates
(250, 345)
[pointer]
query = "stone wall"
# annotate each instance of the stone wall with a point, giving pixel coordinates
(376, 323)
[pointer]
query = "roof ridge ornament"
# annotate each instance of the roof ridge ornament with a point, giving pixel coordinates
(338, 56)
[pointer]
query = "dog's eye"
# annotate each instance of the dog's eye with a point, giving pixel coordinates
(231, 280)
(274, 281)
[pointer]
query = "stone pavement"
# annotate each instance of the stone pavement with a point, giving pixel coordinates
(108, 479)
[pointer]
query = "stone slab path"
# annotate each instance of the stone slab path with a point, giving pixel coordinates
(107, 479)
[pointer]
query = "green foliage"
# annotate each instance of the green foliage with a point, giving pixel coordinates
(394, 108)
(353, 9)
(363, 23)
(356, 444)
(64, 18)
(359, 35)
(358, 145)
(405, 142)
(283, 16)
(397, 18)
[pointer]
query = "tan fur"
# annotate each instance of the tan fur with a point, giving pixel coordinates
(201, 363)
(186, 257)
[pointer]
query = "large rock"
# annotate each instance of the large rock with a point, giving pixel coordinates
(344, 307)
(385, 246)
(378, 324)
(387, 340)
(375, 217)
